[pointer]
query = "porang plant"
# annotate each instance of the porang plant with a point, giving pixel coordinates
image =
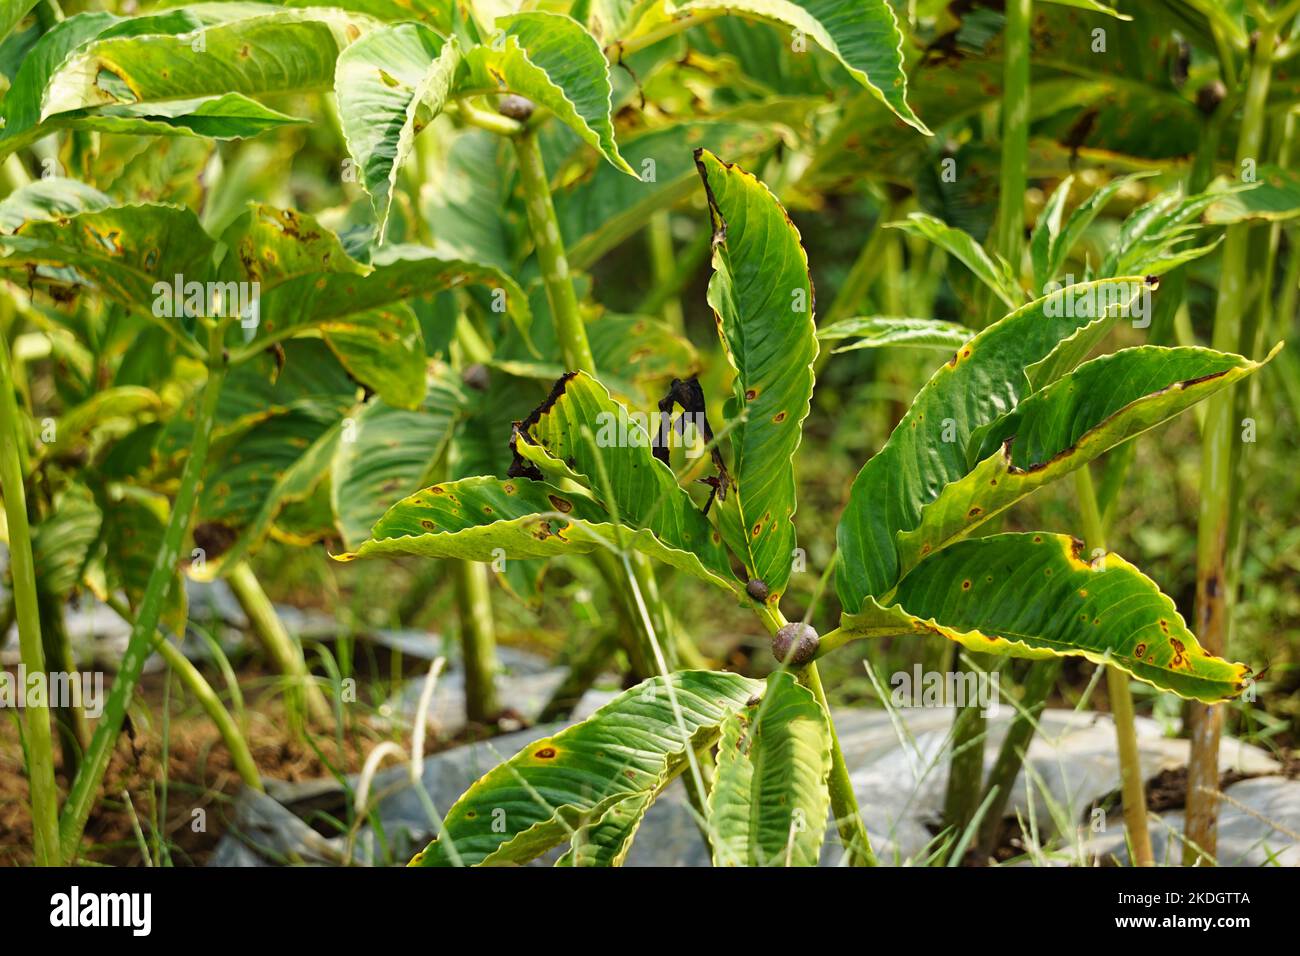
(1013, 409)
(417, 366)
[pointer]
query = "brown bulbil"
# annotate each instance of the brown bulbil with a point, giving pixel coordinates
(516, 107)
(1209, 96)
(476, 376)
(795, 644)
(757, 589)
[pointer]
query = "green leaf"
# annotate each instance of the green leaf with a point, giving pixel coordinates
(387, 454)
(862, 35)
(878, 331)
(927, 450)
(770, 801)
(1071, 422)
(553, 61)
(1093, 6)
(991, 269)
(1153, 232)
(11, 12)
(389, 85)
(1034, 595)
(762, 297)
(581, 433)
(123, 402)
(21, 106)
(483, 519)
(636, 349)
(555, 785)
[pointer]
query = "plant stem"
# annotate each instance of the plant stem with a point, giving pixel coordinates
(82, 798)
(1121, 700)
(1015, 132)
(622, 48)
(194, 681)
(40, 751)
(685, 263)
(1215, 586)
(551, 257)
(965, 762)
(659, 235)
(74, 732)
(492, 122)
(1039, 682)
(844, 802)
(477, 641)
(572, 334)
(283, 650)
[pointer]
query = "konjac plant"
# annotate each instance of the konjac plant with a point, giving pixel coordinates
(342, 276)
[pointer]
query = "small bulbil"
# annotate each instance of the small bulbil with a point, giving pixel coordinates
(795, 644)
(516, 107)
(757, 589)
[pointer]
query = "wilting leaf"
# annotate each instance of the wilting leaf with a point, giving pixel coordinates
(555, 785)
(769, 802)
(389, 84)
(607, 840)
(581, 433)
(121, 251)
(863, 35)
(46, 199)
(553, 61)
(1040, 595)
(308, 282)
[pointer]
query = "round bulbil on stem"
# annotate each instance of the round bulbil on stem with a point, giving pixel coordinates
(477, 377)
(516, 107)
(1209, 96)
(757, 589)
(795, 644)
